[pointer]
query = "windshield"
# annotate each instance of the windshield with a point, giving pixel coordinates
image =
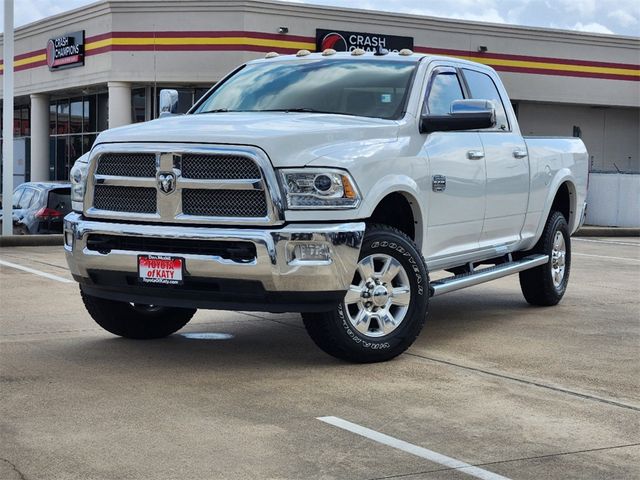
(367, 88)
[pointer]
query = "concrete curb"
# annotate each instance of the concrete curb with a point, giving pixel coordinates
(592, 231)
(32, 240)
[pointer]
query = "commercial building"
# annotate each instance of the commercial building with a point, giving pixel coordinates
(103, 66)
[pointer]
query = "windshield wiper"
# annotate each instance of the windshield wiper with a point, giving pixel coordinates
(301, 109)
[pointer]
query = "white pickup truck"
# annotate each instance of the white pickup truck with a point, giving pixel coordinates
(330, 184)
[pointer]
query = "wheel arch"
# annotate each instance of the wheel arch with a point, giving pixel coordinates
(400, 209)
(563, 198)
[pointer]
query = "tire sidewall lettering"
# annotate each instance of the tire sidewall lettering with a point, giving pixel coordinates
(402, 254)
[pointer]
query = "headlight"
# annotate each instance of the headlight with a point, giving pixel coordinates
(78, 177)
(308, 189)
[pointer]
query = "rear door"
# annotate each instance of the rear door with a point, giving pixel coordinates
(456, 199)
(507, 164)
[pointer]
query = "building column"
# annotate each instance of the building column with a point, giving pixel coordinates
(39, 137)
(119, 104)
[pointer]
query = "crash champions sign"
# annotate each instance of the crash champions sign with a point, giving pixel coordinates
(66, 51)
(347, 41)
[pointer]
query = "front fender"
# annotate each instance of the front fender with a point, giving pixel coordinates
(406, 186)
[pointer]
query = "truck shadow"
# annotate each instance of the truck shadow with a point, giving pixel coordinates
(281, 340)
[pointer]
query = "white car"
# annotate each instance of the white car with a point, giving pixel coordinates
(329, 184)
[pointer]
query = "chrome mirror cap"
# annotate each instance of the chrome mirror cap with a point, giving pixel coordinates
(168, 102)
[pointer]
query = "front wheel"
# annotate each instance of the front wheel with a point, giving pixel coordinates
(385, 307)
(545, 285)
(140, 322)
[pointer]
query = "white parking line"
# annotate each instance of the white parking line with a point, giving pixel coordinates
(36, 272)
(605, 256)
(608, 242)
(430, 455)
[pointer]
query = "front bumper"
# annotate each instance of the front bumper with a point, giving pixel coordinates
(272, 281)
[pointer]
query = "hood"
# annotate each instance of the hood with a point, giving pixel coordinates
(290, 139)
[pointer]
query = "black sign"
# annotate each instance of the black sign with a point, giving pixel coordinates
(370, 42)
(66, 51)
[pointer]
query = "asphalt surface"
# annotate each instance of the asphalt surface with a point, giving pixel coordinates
(516, 391)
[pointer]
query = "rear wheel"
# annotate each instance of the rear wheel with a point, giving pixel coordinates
(385, 307)
(545, 285)
(137, 321)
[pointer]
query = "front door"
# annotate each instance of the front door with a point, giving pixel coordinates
(456, 200)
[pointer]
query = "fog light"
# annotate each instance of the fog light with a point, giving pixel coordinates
(311, 252)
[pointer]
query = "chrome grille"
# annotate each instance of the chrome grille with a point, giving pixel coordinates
(127, 165)
(211, 185)
(219, 167)
(125, 199)
(224, 203)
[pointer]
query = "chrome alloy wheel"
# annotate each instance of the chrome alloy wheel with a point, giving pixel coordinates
(378, 298)
(558, 259)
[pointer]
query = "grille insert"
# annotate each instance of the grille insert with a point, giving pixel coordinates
(242, 252)
(127, 165)
(224, 203)
(125, 199)
(219, 167)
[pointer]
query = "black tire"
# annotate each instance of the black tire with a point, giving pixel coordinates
(333, 331)
(140, 322)
(537, 284)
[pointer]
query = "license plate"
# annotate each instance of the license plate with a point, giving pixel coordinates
(160, 269)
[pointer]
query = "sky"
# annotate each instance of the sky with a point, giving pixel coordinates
(619, 17)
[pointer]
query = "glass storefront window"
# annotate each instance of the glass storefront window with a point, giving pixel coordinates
(87, 142)
(53, 108)
(138, 105)
(74, 124)
(90, 114)
(26, 122)
(75, 117)
(63, 117)
(103, 112)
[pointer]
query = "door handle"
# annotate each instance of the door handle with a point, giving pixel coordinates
(519, 153)
(475, 154)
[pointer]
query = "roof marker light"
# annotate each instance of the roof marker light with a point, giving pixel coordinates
(272, 55)
(303, 53)
(357, 52)
(405, 52)
(328, 51)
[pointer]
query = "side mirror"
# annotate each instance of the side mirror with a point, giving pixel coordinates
(168, 102)
(465, 115)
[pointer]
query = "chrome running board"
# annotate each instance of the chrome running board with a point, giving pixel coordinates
(446, 285)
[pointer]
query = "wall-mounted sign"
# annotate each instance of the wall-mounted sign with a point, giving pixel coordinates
(66, 51)
(370, 42)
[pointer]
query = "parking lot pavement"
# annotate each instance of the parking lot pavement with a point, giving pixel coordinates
(491, 389)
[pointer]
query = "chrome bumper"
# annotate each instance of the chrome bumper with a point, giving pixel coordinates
(274, 266)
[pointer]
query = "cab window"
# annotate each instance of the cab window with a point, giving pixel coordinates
(481, 86)
(445, 88)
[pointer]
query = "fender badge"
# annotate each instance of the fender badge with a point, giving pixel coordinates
(439, 183)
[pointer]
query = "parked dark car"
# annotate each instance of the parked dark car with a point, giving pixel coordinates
(39, 207)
